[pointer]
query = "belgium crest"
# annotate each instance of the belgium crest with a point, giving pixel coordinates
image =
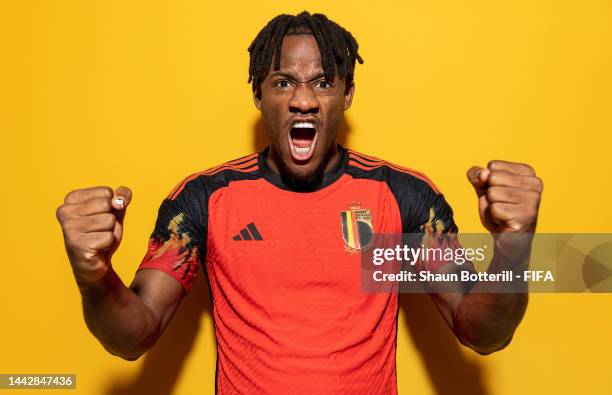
(357, 228)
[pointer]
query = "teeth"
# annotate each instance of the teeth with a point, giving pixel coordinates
(304, 150)
(304, 125)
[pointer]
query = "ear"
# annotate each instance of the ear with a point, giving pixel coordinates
(257, 97)
(348, 95)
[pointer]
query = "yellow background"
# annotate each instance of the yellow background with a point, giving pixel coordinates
(143, 93)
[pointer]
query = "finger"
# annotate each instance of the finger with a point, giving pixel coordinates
(122, 197)
(91, 223)
(511, 195)
(502, 212)
(478, 178)
(96, 205)
(514, 216)
(504, 178)
(511, 167)
(97, 241)
(90, 242)
(80, 195)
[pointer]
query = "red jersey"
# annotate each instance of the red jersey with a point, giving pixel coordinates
(288, 309)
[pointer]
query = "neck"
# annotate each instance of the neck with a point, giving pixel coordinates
(330, 159)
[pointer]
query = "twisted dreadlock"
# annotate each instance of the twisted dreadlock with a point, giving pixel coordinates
(338, 47)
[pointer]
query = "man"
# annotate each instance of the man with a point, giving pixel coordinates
(277, 235)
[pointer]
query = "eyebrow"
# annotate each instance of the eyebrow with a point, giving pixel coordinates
(291, 76)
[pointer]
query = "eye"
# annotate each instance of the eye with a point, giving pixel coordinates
(282, 84)
(323, 85)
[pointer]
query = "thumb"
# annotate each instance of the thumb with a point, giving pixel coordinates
(478, 177)
(121, 199)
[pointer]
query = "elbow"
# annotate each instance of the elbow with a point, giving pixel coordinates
(129, 357)
(130, 350)
(127, 354)
(486, 346)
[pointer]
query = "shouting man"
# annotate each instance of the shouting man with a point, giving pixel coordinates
(276, 234)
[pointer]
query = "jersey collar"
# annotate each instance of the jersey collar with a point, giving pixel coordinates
(328, 178)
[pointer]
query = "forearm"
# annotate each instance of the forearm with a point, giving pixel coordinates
(485, 320)
(117, 317)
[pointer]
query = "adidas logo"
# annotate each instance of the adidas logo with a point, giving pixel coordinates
(248, 233)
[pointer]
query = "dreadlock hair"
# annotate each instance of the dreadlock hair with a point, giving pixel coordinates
(337, 46)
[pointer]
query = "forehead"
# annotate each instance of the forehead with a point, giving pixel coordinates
(300, 54)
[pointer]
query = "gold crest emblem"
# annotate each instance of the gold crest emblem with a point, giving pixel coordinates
(357, 227)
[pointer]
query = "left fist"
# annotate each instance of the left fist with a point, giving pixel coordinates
(508, 196)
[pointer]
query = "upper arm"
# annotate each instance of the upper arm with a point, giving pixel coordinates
(176, 245)
(160, 292)
(428, 220)
(439, 231)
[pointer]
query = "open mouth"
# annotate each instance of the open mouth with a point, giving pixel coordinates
(302, 140)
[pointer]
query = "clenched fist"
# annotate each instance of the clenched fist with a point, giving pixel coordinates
(508, 196)
(92, 223)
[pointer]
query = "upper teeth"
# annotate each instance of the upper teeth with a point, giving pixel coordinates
(302, 125)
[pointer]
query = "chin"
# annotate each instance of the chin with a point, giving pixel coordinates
(306, 177)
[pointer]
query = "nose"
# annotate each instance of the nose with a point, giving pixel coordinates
(303, 100)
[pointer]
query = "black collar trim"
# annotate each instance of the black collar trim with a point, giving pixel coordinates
(328, 178)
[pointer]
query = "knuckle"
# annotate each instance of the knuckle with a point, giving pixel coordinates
(60, 213)
(496, 209)
(530, 213)
(69, 224)
(72, 240)
(106, 192)
(105, 205)
(106, 238)
(71, 195)
(525, 182)
(493, 177)
(534, 196)
(492, 164)
(539, 183)
(494, 193)
(108, 220)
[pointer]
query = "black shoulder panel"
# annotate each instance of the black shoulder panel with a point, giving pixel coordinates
(188, 201)
(422, 206)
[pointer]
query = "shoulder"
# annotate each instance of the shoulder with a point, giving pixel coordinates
(399, 178)
(421, 204)
(208, 180)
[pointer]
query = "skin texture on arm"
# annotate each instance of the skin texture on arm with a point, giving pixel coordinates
(127, 321)
(486, 321)
(482, 320)
(508, 199)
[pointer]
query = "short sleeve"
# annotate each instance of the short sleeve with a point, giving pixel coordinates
(433, 227)
(175, 245)
(427, 218)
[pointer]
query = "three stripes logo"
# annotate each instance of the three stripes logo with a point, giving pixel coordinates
(248, 233)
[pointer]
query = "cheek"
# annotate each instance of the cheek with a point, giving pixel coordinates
(335, 112)
(271, 118)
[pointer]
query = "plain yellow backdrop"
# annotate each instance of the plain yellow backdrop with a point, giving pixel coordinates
(143, 93)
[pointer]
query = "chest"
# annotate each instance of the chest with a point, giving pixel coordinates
(262, 235)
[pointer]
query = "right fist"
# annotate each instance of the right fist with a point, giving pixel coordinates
(92, 223)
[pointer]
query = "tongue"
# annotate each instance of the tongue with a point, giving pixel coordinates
(301, 143)
(302, 138)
